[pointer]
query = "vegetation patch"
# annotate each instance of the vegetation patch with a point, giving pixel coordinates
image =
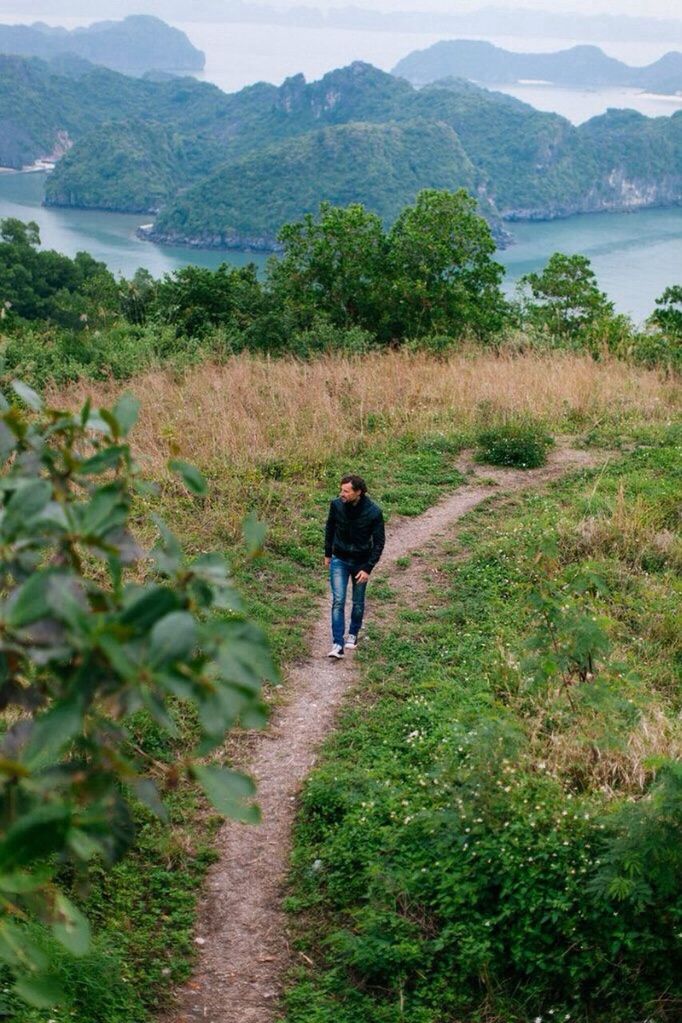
(494, 831)
(521, 444)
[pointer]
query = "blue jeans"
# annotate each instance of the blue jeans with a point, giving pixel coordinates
(339, 573)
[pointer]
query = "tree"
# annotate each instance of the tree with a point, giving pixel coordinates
(138, 296)
(332, 265)
(45, 285)
(668, 316)
(195, 299)
(564, 299)
(443, 277)
(94, 628)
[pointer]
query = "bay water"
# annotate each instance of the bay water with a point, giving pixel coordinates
(635, 255)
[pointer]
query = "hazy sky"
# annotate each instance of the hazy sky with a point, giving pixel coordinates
(107, 8)
(646, 8)
(650, 8)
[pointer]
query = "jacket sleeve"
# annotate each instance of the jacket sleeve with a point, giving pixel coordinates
(330, 530)
(378, 541)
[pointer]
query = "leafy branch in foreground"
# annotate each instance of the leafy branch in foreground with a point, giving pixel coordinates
(84, 645)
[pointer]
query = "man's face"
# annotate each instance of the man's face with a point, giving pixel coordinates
(348, 495)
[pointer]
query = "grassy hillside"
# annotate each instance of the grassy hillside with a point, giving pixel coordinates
(273, 436)
(492, 835)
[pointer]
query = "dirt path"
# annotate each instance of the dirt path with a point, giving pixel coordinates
(242, 930)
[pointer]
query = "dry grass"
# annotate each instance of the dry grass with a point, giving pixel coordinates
(588, 759)
(632, 531)
(253, 410)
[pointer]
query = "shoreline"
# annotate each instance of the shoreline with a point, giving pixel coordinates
(39, 166)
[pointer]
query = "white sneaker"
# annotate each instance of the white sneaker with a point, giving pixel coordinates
(351, 642)
(336, 651)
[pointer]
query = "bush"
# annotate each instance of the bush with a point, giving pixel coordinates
(438, 345)
(523, 445)
(323, 336)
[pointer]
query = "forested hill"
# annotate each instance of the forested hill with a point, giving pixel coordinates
(580, 66)
(223, 169)
(134, 45)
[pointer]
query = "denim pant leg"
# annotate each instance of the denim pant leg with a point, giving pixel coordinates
(339, 574)
(358, 609)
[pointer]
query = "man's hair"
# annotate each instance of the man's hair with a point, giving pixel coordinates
(356, 482)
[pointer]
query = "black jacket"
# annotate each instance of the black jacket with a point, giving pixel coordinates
(355, 532)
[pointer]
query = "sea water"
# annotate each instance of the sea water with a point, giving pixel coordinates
(635, 255)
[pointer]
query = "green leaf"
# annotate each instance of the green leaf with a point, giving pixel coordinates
(35, 835)
(17, 949)
(244, 656)
(167, 553)
(7, 441)
(109, 458)
(31, 601)
(27, 395)
(52, 731)
(193, 479)
(173, 638)
(149, 607)
(254, 534)
(70, 927)
(106, 511)
(147, 792)
(20, 882)
(228, 791)
(25, 503)
(125, 412)
(41, 990)
(83, 845)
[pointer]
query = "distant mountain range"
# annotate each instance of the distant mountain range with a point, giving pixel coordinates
(137, 44)
(496, 21)
(579, 67)
(222, 170)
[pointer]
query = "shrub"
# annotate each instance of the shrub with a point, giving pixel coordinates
(85, 646)
(521, 444)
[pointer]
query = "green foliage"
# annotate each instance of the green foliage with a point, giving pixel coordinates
(569, 639)
(564, 299)
(195, 299)
(85, 647)
(668, 315)
(444, 278)
(382, 166)
(224, 168)
(447, 863)
(654, 349)
(44, 285)
(431, 273)
(521, 443)
(334, 265)
(342, 283)
(642, 861)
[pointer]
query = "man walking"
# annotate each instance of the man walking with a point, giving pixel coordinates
(354, 541)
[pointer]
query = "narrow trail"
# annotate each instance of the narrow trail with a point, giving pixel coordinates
(242, 931)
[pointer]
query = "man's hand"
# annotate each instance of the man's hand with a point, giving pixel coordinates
(362, 577)
(327, 562)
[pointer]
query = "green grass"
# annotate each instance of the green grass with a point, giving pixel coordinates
(467, 814)
(144, 910)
